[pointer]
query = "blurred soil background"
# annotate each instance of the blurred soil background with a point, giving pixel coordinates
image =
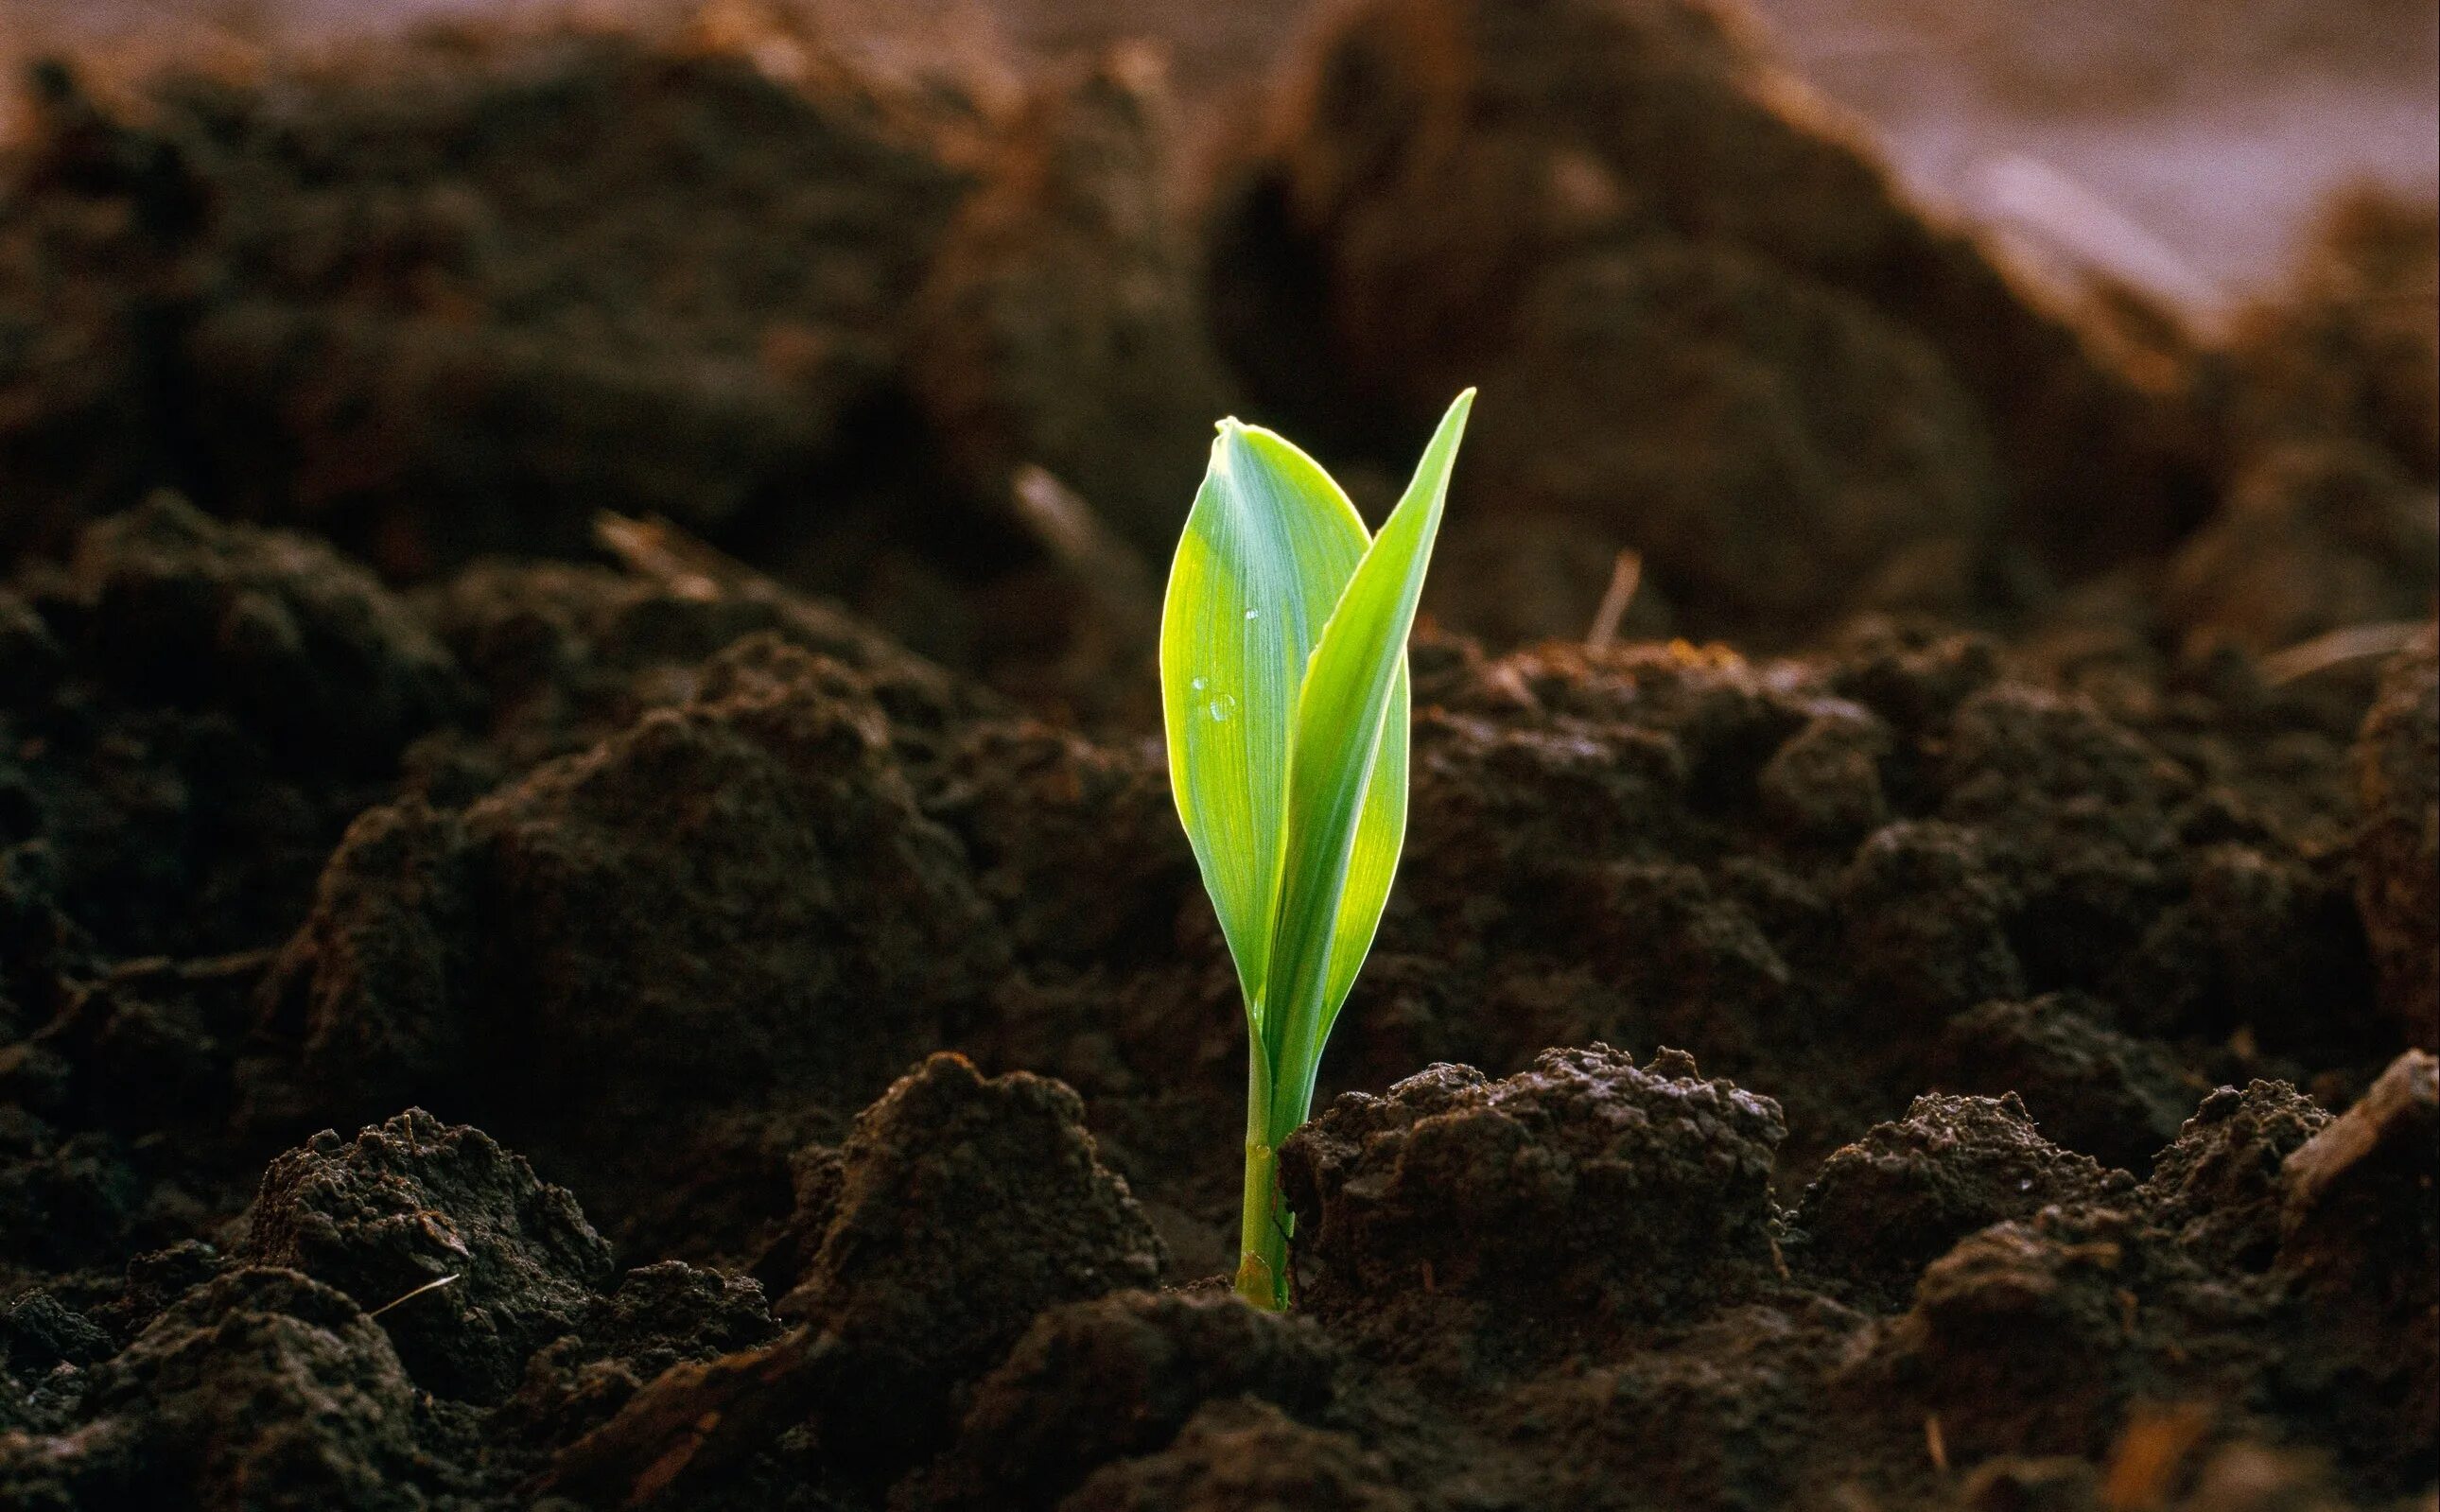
(2209, 131)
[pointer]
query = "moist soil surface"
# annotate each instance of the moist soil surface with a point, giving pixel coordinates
(591, 914)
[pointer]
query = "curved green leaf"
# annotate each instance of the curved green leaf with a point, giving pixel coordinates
(1271, 544)
(1373, 861)
(1335, 867)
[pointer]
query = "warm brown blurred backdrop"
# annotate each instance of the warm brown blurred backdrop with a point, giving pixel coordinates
(2181, 143)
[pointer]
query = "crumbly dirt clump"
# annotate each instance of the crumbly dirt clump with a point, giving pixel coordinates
(1585, 1185)
(416, 1204)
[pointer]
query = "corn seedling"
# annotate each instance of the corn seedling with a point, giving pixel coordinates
(1284, 694)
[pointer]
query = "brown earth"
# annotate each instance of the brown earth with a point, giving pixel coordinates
(589, 916)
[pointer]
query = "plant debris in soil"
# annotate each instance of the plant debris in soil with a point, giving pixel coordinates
(590, 914)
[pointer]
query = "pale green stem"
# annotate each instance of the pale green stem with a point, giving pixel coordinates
(1262, 1260)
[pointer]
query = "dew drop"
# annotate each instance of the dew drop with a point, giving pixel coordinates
(1253, 613)
(1220, 708)
(1199, 683)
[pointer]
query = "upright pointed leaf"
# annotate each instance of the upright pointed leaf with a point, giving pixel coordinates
(1269, 547)
(1330, 906)
(1373, 861)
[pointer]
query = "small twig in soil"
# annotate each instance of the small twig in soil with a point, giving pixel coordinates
(2399, 1103)
(1624, 577)
(2353, 643)
(2093, 234)
(1108, 569)
(2143, 1469)
(428, 1286)
(685, 566)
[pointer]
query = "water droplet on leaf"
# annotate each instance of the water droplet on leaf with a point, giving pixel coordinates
(1220, 708)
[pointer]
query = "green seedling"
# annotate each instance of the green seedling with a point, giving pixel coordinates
(1284, 693)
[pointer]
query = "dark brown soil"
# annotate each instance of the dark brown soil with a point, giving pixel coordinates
(591, 914)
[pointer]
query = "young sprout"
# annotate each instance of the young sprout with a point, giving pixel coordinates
(1283, 690)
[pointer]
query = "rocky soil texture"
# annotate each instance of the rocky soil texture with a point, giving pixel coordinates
(590, 917)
